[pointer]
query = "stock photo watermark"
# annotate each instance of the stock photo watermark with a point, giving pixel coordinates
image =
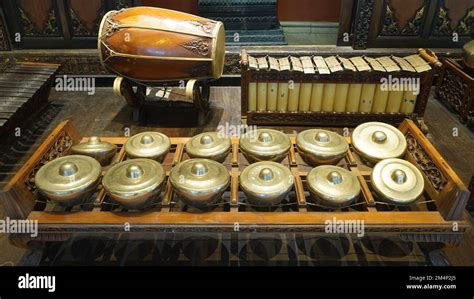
(47, 282)
(76, 84)
(227, 130)
(335, 226)
(18, 226)
(400, 84)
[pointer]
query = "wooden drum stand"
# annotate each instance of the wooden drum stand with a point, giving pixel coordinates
(188, 106)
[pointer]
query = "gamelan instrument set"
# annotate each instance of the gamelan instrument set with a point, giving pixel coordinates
(386, 173)
(391, 178)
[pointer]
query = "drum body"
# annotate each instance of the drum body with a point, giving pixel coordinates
(148, 44)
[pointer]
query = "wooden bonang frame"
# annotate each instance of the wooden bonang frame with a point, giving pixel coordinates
(343, 119)
(456, 89)
(420, 222)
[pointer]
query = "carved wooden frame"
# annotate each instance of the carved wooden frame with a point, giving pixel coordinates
(418, 225)
(447, 92)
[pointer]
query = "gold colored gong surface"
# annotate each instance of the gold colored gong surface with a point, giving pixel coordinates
(397, 181)
(133, 182)
(333, 186)
(376, 141)
(150, 145)
(97, 149)
(320, 147)
(265, 145)
(266, 183)
(67, 178)
(199, 182)
(209, 146)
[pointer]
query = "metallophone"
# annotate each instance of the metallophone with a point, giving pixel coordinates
(335, 91)
(24, 90)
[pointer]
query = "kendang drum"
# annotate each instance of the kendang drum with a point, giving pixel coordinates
(154, 47)
(148, 44)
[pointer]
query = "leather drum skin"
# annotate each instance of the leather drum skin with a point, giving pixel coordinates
(147, 44)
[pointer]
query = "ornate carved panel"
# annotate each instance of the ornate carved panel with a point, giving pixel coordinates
(414, 23)
(403, 17)
(452, 90)
(455, 16)
(86, 15)
(455, 89)
(56, 24)
(38, 18)
(365, 10)
(426, 164)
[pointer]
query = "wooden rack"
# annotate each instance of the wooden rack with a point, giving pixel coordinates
(455, 89)
(438, 216)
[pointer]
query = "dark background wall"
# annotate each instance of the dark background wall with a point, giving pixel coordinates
(309, 10)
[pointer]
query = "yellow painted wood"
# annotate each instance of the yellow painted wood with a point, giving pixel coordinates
(261, 97)
(252, 105)
(367, 98)
(340, 98)
(305, 96)
(317, 97)
(328, 97)
(272, 96)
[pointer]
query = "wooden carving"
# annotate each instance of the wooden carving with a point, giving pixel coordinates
(38, 13)
(457, 10)
(425, 163)
(401, 20)
(455, 16)
(452, 90)
(198, 46)
(365, 11)
(455, 89)
(417, 222)
(404, 11)
(86, 12)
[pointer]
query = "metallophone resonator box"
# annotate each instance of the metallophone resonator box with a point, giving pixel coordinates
(334, 90)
